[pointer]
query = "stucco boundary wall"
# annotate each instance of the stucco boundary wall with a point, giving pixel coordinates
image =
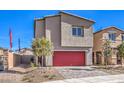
(13, 59)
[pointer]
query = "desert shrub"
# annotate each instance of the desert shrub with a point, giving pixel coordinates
(51, 76)
(46, 76)
(33, 64)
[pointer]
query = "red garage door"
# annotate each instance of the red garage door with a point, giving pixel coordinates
(68, 58)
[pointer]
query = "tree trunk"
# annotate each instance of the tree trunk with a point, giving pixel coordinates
(43, 61)
(36, 60)
(106, 61)
(42, 64)
(122, 61)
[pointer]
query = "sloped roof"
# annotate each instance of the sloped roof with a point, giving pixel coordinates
(24, 49)
(76, 16)
(108, 28)
(38, 19)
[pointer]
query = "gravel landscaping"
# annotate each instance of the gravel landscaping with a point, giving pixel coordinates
(33, 76)
(42, 75)
(112, 70)
(37, 75)
(7, 77)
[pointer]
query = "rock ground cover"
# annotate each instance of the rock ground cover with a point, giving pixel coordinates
(38, 75)
(42, 75)
(6, 77)
(112, 70)
(35, 76)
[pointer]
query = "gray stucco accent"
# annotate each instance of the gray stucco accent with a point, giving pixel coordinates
(39, 29)
(89, 57)
(49, 61)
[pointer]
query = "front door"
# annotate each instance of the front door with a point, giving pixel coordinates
(98, 58)
(118, 59)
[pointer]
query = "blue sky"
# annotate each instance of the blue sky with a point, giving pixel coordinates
(21, 23)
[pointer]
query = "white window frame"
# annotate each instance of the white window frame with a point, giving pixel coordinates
(82, 31)
(112, 37)
(122, 35)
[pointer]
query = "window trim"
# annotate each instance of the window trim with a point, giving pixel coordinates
(112, 37)
(122, 37)
(77, 33)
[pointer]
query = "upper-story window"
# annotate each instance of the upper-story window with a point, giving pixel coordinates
(122, 37)
(112, 36)
(77, 31)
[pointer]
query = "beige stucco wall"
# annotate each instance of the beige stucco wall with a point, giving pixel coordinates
(39, 28)
(58, 30)
(100, 36)
(99, 39)
(54, 28)
(13, 60)
(1, 52)
(67, 39)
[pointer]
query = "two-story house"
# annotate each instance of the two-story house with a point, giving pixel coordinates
(72, 38)
(116, 36)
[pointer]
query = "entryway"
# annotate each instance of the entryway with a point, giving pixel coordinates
(98, 58)
(118, 59)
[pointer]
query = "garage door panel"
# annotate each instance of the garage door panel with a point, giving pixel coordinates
(67, 58)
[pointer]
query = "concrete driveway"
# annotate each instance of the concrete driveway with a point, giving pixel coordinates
(96, 79)
(79, 72)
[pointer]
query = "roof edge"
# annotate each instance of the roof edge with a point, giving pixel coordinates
(107, 28)
(76, 16)
(48, 16)
(39, 19)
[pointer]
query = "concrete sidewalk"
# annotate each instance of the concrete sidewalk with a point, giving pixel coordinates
(97, 79)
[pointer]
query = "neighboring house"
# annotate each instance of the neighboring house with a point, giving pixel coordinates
(2, 51)
(8, 59)
(72, 37)
(25, 51)
(3, 58)
(116, 36)
(26, 55)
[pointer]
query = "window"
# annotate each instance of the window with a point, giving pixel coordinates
(112, 36)
(77, 31)
(122, 37)
(73, 31)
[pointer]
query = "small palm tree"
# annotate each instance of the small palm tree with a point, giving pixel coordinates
(36, 46)
(107, 51)
(42, 48)
(120, 49)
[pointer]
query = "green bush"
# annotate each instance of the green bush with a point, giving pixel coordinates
(51, 76)
(33, 64)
